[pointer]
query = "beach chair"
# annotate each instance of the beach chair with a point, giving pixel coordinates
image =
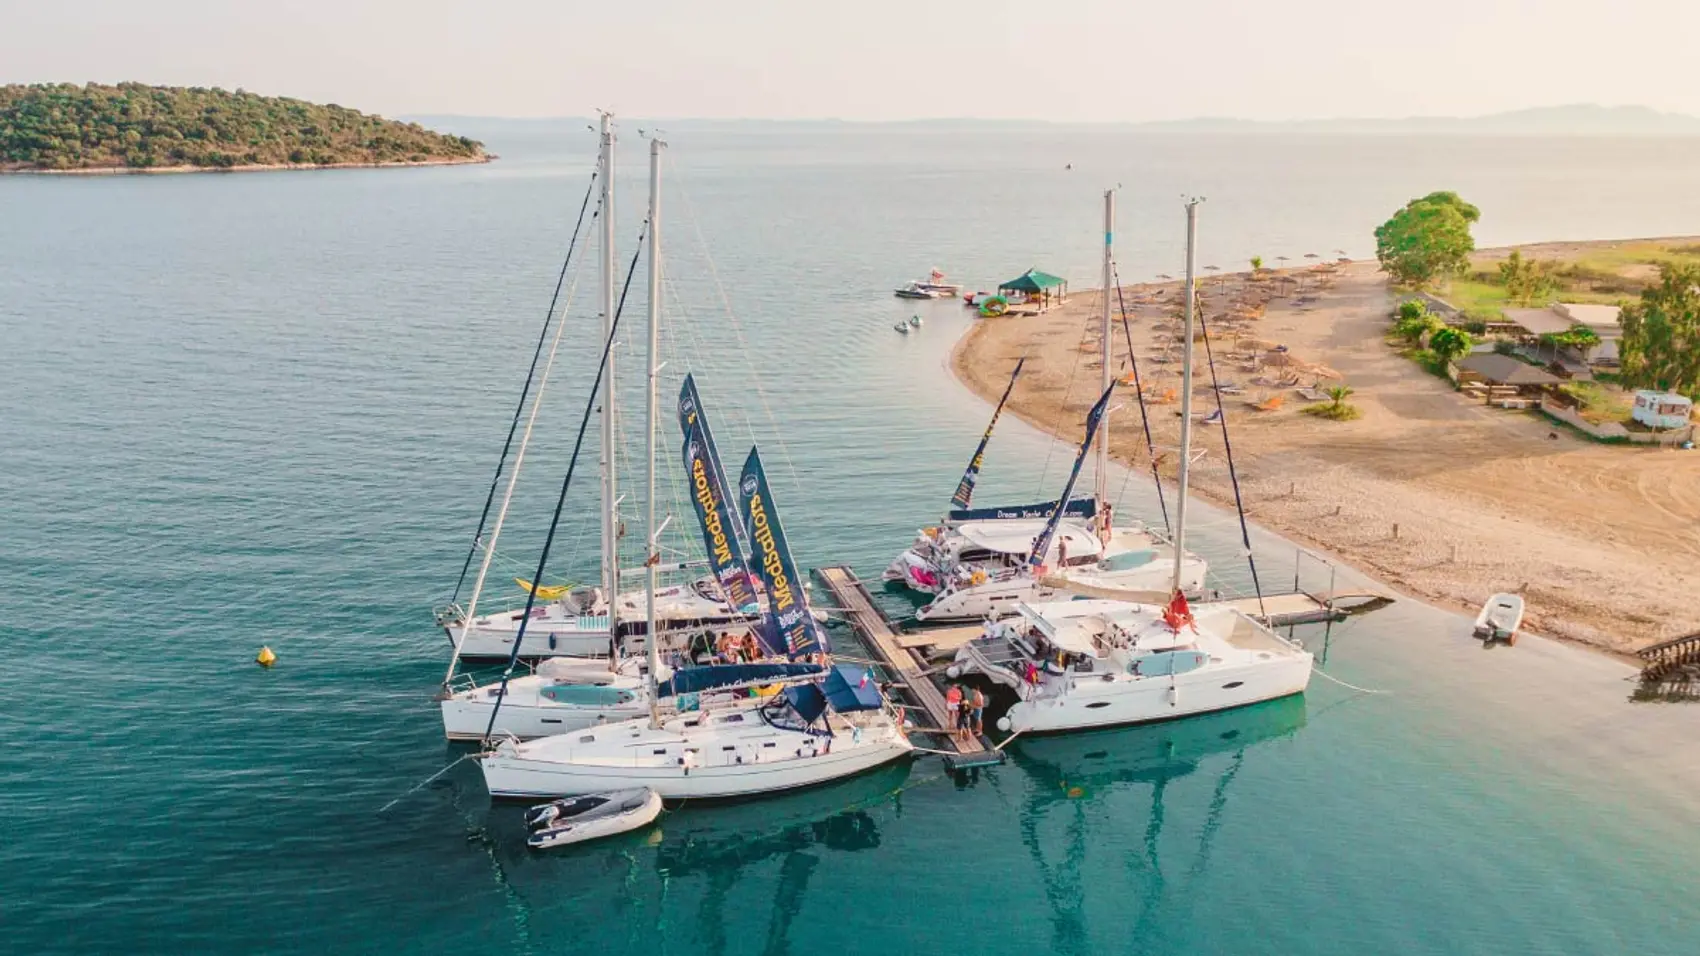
(1168, 397)
(1272, 404)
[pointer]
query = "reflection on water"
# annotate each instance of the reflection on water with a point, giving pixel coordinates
(1070, 774)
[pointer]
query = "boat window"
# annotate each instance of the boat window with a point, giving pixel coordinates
(728, 747)
(730, 719)
(587, 739)
(770, 744)
(662, 752)
(1230, 685)
(1098, 704)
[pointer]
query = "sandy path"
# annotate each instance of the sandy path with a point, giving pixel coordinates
(1603, 540)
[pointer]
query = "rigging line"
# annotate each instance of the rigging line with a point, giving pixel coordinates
(737, 329)
(1361, 690)
(561, 501)
(1233, 473)
(1144, 419)
(548, 317)
(424, 783)
(508, 495)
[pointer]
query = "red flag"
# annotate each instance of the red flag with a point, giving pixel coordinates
(1178, 614)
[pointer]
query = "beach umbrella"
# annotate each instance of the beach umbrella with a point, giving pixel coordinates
(1312, 255)
(1279, 359)
(1165, 277)
(1323, 371)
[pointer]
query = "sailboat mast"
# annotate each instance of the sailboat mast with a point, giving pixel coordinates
(652, 637)
(1186, 386)
(610, 526)
(1101, 484)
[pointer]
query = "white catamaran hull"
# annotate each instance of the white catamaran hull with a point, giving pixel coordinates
(1096, 702)
(1000, 596)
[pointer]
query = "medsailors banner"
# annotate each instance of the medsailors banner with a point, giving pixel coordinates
(691, 412)
(788, 605)
(719, 527)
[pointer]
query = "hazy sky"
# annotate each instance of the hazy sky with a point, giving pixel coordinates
(883, 59)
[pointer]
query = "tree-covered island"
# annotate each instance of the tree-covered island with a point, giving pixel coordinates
(133, 127)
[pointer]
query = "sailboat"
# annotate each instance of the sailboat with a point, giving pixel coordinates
(1076, 664)
(981, 569)
(807, 733)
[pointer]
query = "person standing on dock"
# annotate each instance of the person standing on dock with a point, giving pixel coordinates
(953, 710)
(979, 724)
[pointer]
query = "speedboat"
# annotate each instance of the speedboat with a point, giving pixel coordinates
(902, 328)
(589, 817)
(919, 290)
(1500, 619)
(806, 734)
(1098, 663)
(565, 695)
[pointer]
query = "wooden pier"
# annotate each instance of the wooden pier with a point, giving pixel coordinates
(1672, 669)
(907, 667)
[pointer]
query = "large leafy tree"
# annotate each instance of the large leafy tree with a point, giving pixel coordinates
(1661, 333)
(1450, 343)
(1527, 280)
(1428, 239)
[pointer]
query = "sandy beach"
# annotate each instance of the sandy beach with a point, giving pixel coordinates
(1603, 541)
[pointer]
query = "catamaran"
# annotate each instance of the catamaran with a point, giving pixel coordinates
(805, 734)
(975, 562)
(1094, 663)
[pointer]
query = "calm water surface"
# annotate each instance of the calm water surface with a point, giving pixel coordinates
(262, 409)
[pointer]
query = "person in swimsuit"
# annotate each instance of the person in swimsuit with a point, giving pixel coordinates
(953, 709)
(979, 726)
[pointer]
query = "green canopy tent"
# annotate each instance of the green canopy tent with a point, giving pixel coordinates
(1036, 284)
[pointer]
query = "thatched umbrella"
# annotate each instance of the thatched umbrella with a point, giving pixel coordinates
(1279, 359)
(1323, 371)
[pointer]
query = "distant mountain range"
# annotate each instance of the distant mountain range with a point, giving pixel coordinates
(1575, 120)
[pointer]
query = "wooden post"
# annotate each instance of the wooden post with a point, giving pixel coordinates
(1395, 530)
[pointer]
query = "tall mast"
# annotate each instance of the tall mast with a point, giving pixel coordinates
(652, 637)
(1186, 386)
(610, 524)
(1101, 484)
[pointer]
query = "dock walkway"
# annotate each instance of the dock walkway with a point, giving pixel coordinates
(905, 664)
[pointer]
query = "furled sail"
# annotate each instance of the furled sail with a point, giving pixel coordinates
(788, 607)
(1042, 543)
(1078, 508)
(965, 488)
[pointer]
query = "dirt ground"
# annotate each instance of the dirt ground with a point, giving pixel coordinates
(1603, 541)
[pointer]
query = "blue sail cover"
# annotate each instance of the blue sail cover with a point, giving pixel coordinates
(788, 606)
(965, 488)
(1042, 543)
(808, 700)
(852, 687)
(718, 522)
(1078, 508)
(696, 679)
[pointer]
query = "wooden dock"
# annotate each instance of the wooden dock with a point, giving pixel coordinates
(1675, 661)
(905, 665)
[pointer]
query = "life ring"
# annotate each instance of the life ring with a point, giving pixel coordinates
(977, 578)
(994, 306)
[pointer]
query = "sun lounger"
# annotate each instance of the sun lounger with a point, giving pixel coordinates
(1312, 394)
(1269, 404)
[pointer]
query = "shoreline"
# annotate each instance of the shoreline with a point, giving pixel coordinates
(1382, 495)
(251, 168)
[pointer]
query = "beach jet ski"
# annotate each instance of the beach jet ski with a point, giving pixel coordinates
(590, 817)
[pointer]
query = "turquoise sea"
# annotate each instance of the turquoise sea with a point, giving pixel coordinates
(262, 409)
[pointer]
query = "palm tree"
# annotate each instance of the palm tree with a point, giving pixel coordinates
(1338, 394)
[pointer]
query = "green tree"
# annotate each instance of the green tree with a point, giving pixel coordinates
(1412, 309)
(1256, 264)
(1527, 281)
(1418, 323)
(1427, 240)
(1661, 333)
(1449, 344)
(1338, 395)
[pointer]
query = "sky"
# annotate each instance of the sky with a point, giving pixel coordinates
(1067, 60)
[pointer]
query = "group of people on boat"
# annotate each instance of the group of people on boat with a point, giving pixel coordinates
(965, 708)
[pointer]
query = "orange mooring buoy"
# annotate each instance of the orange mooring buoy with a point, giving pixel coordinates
(265, 658)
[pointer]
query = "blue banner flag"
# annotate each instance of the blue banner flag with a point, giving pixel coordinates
(1042, 543)
(788, 606)
(691, 411)
(965, 488)
(719, 525)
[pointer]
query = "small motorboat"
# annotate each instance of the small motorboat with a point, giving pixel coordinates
(902, 327)
(915, 321)
(1500, 619)
(590, 817)
(920, 290)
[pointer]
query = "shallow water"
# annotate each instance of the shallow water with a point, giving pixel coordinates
(262, 409)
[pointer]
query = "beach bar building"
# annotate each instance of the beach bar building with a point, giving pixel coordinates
(1661, 409)
(1036, 286)
(1496, 378)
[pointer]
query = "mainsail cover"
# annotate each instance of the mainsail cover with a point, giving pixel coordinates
(788, 606)
(965, 488)
(1078, 508)
(1042, 543)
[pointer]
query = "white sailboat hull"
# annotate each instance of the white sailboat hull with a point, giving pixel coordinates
(465, 719)
(1096, 702)
(1000, 596)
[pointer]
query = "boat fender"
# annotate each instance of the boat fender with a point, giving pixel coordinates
(687, 760)
(1003, 723)
(1174, 696)
(551, 642)
(265, 658)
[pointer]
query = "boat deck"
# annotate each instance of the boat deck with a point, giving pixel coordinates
(906, 665)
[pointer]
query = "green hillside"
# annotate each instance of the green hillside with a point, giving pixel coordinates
(63, 126)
